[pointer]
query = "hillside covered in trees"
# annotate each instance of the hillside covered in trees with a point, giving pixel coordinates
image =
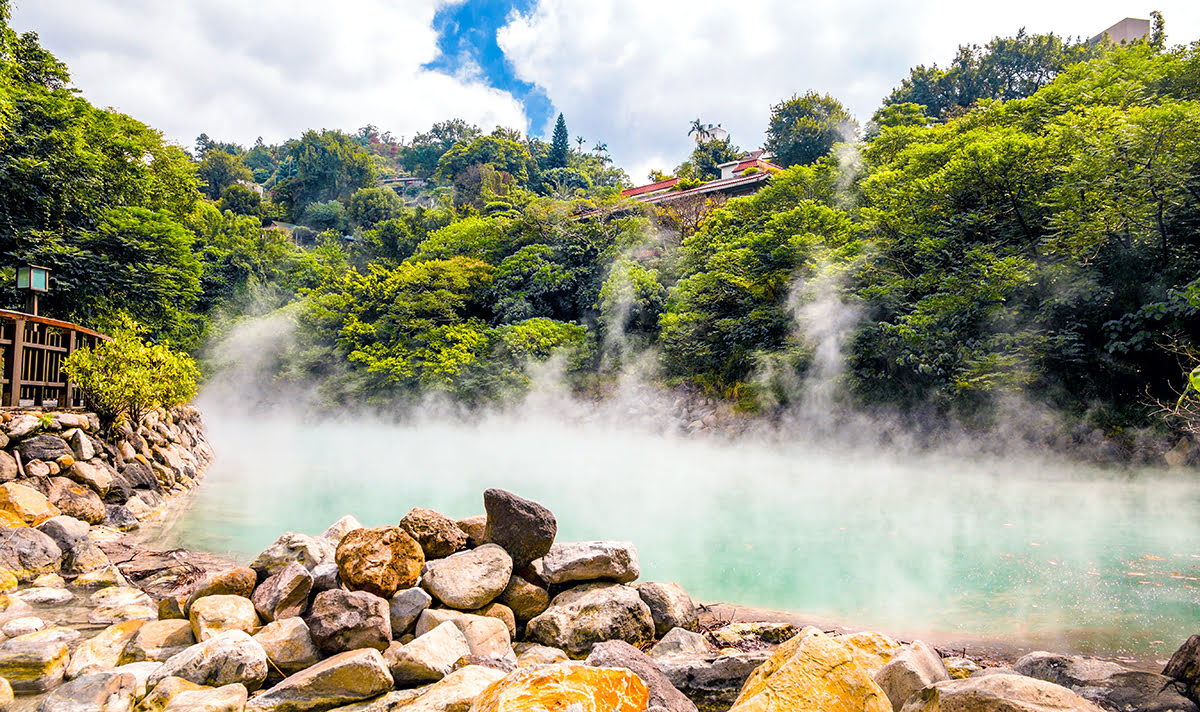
(1025, 222)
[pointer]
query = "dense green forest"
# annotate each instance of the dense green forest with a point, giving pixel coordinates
(1024, 222)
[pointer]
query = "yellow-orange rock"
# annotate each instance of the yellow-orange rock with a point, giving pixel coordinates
(813, 671)
(29, 505)
(573, 686)
(11, 519)
(874, 650)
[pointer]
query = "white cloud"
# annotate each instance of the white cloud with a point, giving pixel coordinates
(237, 70)
(635, 73)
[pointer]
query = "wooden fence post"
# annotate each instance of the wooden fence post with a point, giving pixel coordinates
(13, 397)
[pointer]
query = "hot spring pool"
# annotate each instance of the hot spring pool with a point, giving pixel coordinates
(1020, 550)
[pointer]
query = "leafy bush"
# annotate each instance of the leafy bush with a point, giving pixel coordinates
(122, 379)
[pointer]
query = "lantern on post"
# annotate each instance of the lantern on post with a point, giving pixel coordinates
(33, 280)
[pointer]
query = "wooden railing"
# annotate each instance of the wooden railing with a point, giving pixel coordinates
(33, 349)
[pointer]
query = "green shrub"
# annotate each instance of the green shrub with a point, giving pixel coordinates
(124, 378)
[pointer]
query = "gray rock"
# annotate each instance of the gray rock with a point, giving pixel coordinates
(524, 528)
(96, 692)
(82, 557)
(228, 698)
(308, 551)
(8, 467)
(526, 600)
(1109, 685)
(997, 693)
(1184, 666)
(80, 444)
(22, 425)
(469, 579)
(119, 517)
(64, 530)
(20, 626)
(592, 613)
(28, 553)
(711, 681)
(347, 620)
(487, 638)
(288, 644)
(141, 476)
(591, 561)
(158, 641)
(909, 671)
(44, 595)
(325, 578)
(230, 657)
(284, 594)
(429, 657)
(670, 606)
(405, 607)
(33, 663)
(679, 641)
(619, 654)
(345, 678)
(334, 532)
(43, 446)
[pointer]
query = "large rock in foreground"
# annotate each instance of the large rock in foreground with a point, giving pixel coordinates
(812, 672)
(524, 528)
(619, 654)
(345, 678)
(997, 693)
(579, 618)
(33, 663)
(910, 671)
(1184, 666)
(28, 553)
(380, 560)
(468, 580)
(348, 620)
(107, 691)
(288, 644)
(1109, 685)
(565, 686)
(230, 657)
(591, 561)
(670, 606)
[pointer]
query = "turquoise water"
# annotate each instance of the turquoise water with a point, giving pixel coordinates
(1019, 549)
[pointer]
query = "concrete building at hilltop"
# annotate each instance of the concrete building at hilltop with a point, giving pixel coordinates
(1125, 31)
(748, 174)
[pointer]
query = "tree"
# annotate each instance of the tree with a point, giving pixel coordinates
(422, 155)
(370, 206)
(503, 154)
(219, 170)
(804, 128)
(320, 167)
(241, 200)
(560, 148)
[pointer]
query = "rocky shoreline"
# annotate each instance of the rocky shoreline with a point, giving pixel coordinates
(485, 614)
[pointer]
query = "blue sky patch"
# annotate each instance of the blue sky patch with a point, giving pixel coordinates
(467, 36)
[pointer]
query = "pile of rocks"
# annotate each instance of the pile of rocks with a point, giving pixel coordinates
(66, 488)
(491, 614)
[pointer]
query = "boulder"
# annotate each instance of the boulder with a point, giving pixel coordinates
(308, 551)
(812, 671)
(679, 641)
(381, 560)
(165, 691)
(429, 657)
(564, 686)
(591, 561)
(470, 579)
(22, 425)
(1109, 685)
(89, 475)
(405, 607)
(212, 615)
(524, 528)
(102, 652)
(6, 694)
(347, 620)
(237, 581)
(43, 446)
(12, 607)
(20, 626)
(670, 606)
(526, 600)
(228, 698)
(347, 677)
(487, 638)
(580, 617)
(141, 476)
(437, 534)
(157, 641)
(76, 500)
(619, 654)
(80, 443)
(34, 662)
(1184, 666)
(120, 518)
(232, 656)
(8, 467)
(107, 691)
(26, 503)
(44, 596)
(141, 673)
(288, 644)
(334, 532)
(325, 577)
(475, 528)
(28, 553)
(284, 594)
(455, 692)
(500, 612)
(997, 693)
(82, 557)
(533, 654)
(909, 671)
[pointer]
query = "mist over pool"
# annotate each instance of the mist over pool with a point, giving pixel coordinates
(1019, 549)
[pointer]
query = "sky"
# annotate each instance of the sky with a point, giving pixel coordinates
(632, 74)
